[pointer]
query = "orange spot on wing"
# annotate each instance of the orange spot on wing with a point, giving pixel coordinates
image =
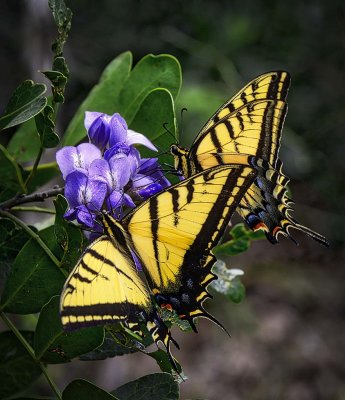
(167, 306)
(260, 225)
(276, 230)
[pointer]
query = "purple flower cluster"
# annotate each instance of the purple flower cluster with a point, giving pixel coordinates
(108, 172)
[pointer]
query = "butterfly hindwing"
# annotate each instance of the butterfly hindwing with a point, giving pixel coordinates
(105, 287)
(94, 293)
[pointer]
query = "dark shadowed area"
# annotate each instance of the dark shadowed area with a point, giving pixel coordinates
(287, 336)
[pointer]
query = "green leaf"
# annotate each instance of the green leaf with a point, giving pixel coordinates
(58, 76)
(45, 128)
(44, 174)
(12, 180)
(53, 345)
(122, 91)
(102, 98)
(228, 282)
(81, 389)
(159, 386)
(58, 81)
(34, 278)
(162, 359)
(237, 290)
(70, 237)
(240, 242)
(12, 239)
(232, 247)
(60, 65)
(17, 368)
(108, 349)
(25, 102)
(155, 116)
(241, 230)
(117, 342)
(151, 72)
(25, 143)
(173, 319)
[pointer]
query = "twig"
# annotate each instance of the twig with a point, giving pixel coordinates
(20, 199)
(34, 209)
(34, 168)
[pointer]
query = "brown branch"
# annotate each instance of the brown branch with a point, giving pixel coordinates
(22, 198)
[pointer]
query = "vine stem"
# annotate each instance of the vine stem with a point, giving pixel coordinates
(34, 209)
(20, 199)
(34, 168)
(30, 350)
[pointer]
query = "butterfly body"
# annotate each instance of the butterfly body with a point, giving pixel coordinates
(246, 130)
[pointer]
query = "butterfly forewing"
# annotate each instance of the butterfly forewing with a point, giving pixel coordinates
(176, 230)
(254, 129)
(250, 124)
(272, 85)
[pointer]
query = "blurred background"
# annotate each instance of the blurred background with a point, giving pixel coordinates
(288, 337)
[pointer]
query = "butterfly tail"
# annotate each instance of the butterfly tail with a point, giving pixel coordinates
(202, 313)
(160, 333)
(290, 222)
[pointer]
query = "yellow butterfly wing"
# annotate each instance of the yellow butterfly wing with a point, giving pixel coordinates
(269, 86)
(106, 287)
(259, 123)
(171, 235)
(254, 129)
(250, 124)
(103, 287)
(174, 232)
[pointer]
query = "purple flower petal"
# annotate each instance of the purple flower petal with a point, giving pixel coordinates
(150, 169)
(114, 201)
(118, 148)
(99, 132)
(115, 173)
(138, 138)
(140, 181)
(97, 232)
(96, 192)
(100, 170)
(75, 181)
(70, 214)
(122, 149)
(90, 117)
(127, 201)
(121, 171)
(118, 130)
(71, 158)
(85, 216)
(148, 191)
(82, 190)
(136, 261)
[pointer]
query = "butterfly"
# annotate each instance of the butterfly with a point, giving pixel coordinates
(158, 256)
(247, 130)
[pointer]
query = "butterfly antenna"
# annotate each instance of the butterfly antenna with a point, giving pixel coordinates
(169, 131)
(183, 110)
